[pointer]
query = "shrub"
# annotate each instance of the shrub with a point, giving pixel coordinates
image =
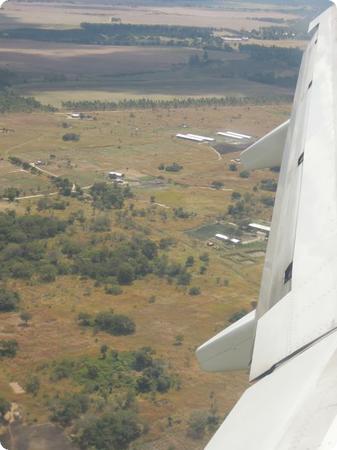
(71, 137)
(65, 410)
(48, 273)
(217, 185)
(197, 425)
(8, 348)
(5, 406)
(115, 324)
(33, 385)
(126, 274)
(236, 195)
(8, 300)
(174, 167)
(184, 279)
(194, 291)
(189, 261)
(237, 316)
(113, 290)
(245, 174)
(268, 201)
(233, 167)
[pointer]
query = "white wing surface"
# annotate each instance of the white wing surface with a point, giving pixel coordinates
(292, 403)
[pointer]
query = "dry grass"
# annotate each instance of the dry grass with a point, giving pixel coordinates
(112, 142)
(52, 15)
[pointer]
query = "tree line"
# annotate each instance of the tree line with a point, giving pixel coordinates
(190, 102)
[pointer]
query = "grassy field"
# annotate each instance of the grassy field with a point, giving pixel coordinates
(60, 15)
(137, 143)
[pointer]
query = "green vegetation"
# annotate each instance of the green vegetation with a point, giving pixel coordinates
(107, 196)
(8, 348)
(174, 167)
(71, 137)
(12, 102)
(115, 324)
(8, 300)
(5, 406)
(147, 103)
(112, 431)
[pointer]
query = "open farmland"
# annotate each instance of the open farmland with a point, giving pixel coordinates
(60, 15)
(61, 72)
(136, 143)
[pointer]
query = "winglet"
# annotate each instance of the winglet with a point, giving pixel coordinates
(267, 152)
(231, 349)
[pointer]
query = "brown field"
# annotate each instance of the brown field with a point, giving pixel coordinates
(58, 15)
(45, 57)
(117, 72)
(137, 143)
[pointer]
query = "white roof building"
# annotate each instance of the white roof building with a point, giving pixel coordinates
(195, 137)
(222, 237)
(259, 227)
(116, 175)
(189, 138)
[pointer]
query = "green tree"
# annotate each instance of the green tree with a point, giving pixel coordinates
(25, 316)
(8, 348)
(126, 274)
(33, 385)
(11, 193)
(8, 300)
(104, 349)
(112, 431)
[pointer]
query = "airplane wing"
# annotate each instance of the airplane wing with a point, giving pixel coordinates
(291, 341)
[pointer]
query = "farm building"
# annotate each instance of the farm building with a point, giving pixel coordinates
(195, 137)
(232, 135)
(115, 175)
(261, 228)
(222, 237)
(204, 138)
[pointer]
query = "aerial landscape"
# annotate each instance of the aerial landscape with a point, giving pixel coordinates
(130, 232)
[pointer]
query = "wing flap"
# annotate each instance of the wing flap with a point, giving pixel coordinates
(294, 408)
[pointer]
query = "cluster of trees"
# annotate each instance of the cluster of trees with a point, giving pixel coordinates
(146, 103)
(268, 184)
(46, 203)
(23, 249)
(27, 228)
(9, 300)
(290, 57)
(174, 167)
(115, 324)
(116, 34)
(104, 409)
(12, 102)
(108, 196)
(114, 430)
(120, 264)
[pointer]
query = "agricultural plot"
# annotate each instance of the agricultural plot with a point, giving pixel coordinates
(70, 16)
